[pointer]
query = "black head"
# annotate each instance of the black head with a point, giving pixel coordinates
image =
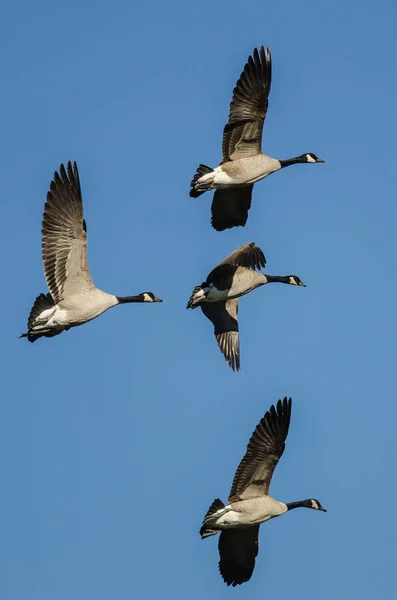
(311, 158)
(294, 280)
(314, 504)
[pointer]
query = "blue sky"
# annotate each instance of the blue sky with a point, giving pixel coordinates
(115, 437)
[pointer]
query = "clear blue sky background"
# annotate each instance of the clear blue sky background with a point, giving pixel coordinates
(116, 436)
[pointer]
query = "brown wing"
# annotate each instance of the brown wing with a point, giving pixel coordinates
(242, 136)
(64, 241)
(264, 450)
(230, 207)
(249, 256)
(224, 317)
(238, 549)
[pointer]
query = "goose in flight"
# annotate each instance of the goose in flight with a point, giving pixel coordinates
(249, 502)
(73, 298)
(243, 162)
(218, 296)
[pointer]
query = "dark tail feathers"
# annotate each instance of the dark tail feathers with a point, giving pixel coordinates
(42, 302)
(207, 530)
(201, 170)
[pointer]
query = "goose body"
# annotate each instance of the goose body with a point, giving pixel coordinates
(73, 298)
(218, 296)
(249, 501)
(242, 282)
(243, 162)
(241, 172)
(246, 513)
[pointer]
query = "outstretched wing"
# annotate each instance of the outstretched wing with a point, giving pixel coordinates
(242, 136)
(238, 549)
(224, 317)
(264, 450)
(64, 237)
(230, 207)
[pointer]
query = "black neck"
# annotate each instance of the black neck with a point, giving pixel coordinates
(279, 278)
(298, 504)
(292, 161)
(125, 299)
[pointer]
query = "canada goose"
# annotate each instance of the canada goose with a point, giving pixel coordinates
(218, 296)
(249, 501)
(243, 162)
(73, 298)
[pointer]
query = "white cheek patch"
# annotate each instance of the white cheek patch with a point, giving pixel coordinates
(147, 298)
(292, 281)
(314, 505)
(310, 158)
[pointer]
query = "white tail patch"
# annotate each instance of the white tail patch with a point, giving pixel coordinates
(44, 316)
(207, 178)
(220, 178)
(199, 295)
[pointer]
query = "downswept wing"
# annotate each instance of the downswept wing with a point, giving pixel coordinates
(249, 256)
(230, 207)
(64, 237)
(242, 136)
(264, 450)
(238, 549)
(224, 317)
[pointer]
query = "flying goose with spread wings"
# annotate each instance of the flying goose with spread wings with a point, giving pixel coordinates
(249, 501)
(73, 298)
(243, 162)
(218, 296)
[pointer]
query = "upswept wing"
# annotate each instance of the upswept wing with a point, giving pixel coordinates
(264, 450)
(249, 256)
(242, 136)
(64, 237)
